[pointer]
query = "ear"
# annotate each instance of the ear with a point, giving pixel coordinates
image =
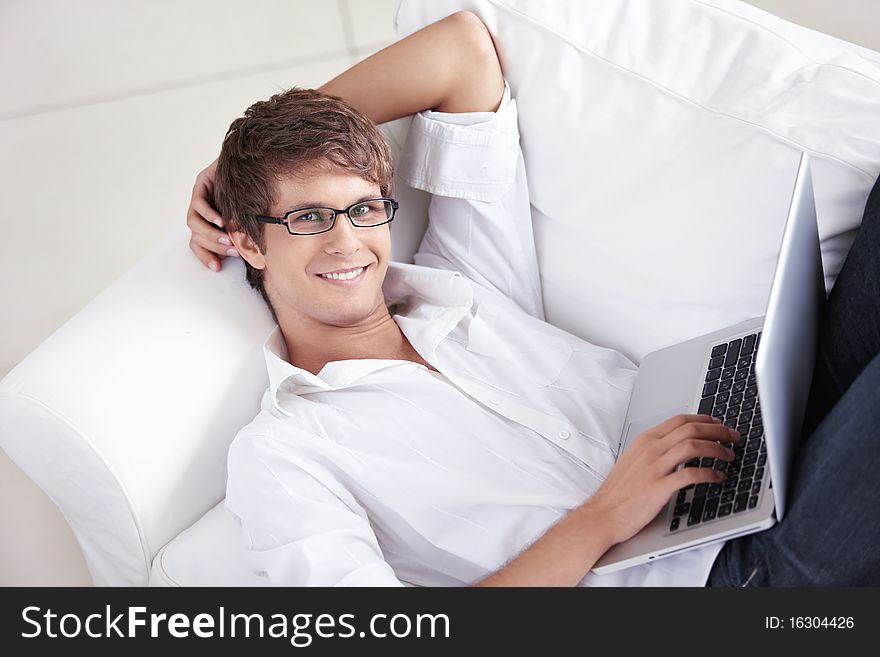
(248, 249)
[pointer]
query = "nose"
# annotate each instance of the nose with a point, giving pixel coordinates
(344, 236)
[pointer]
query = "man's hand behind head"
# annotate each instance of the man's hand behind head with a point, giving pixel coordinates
(209, 241)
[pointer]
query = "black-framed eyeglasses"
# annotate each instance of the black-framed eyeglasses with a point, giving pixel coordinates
(311, 221)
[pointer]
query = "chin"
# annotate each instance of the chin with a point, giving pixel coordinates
(350, 313)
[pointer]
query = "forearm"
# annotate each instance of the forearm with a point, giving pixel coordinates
(450, 66)
(562, 556)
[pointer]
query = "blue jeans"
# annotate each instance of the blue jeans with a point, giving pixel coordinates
(830, 535)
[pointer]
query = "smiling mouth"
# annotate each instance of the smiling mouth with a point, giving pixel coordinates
(351, 275)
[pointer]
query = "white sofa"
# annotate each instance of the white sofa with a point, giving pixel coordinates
(654, 133)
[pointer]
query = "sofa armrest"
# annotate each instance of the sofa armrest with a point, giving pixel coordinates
(124, 415)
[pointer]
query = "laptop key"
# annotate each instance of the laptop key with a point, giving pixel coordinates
(739, 386)
(682, 496)
(727, 496)
(732, 352)
(696, 514)
(710, 388)
(722, 397)
(701, 489)
(719, 350)
(748, 345)
(748, 472)
(762, 458)
(759, 474)
(744, 361)
(756, 488)
(714, 491)
(711, 509)
(719, 410)
(751, 380)
(751, 391)
(706, 405)
(713, 374)
(740, 503)
(682, 509)
(741, 375)
(724, 510)
(717, 361)
(736, 399)
(674, 525)
(748, 404)
(745, 485)
(756, 432)
(753, 501)
(725, 385)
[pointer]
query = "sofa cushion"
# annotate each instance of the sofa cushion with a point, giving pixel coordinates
(662, 141)
(209, 553)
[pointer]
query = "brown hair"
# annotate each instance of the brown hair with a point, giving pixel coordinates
(290, 134)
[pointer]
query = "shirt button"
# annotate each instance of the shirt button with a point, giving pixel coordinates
(564, 434)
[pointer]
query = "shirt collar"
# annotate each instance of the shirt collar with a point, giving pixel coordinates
(426, 303)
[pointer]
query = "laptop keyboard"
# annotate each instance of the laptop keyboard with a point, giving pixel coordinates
(731, 394)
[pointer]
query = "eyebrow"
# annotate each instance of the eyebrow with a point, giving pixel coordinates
(319, 204)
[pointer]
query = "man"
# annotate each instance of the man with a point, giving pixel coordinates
(461, 439)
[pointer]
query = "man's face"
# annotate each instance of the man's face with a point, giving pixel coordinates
(293, 263)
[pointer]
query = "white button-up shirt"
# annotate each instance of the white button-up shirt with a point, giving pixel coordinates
(382, 472)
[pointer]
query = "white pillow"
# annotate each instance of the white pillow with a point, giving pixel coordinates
(661, 142)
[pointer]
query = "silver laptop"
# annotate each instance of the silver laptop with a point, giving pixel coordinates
(756, 377)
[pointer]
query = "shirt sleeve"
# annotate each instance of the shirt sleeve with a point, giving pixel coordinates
(480, 220)
(295, 529)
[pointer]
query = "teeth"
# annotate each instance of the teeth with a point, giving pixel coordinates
(344, 277)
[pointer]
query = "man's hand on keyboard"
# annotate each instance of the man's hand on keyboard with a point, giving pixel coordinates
(645, 476)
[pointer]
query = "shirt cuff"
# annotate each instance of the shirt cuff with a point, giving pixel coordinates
(469, 155)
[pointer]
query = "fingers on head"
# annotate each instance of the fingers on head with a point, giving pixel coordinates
(209, 259)
(197, 222)
(207, 211)
(213, 245)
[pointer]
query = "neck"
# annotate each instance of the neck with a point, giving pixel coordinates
(311, 344)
